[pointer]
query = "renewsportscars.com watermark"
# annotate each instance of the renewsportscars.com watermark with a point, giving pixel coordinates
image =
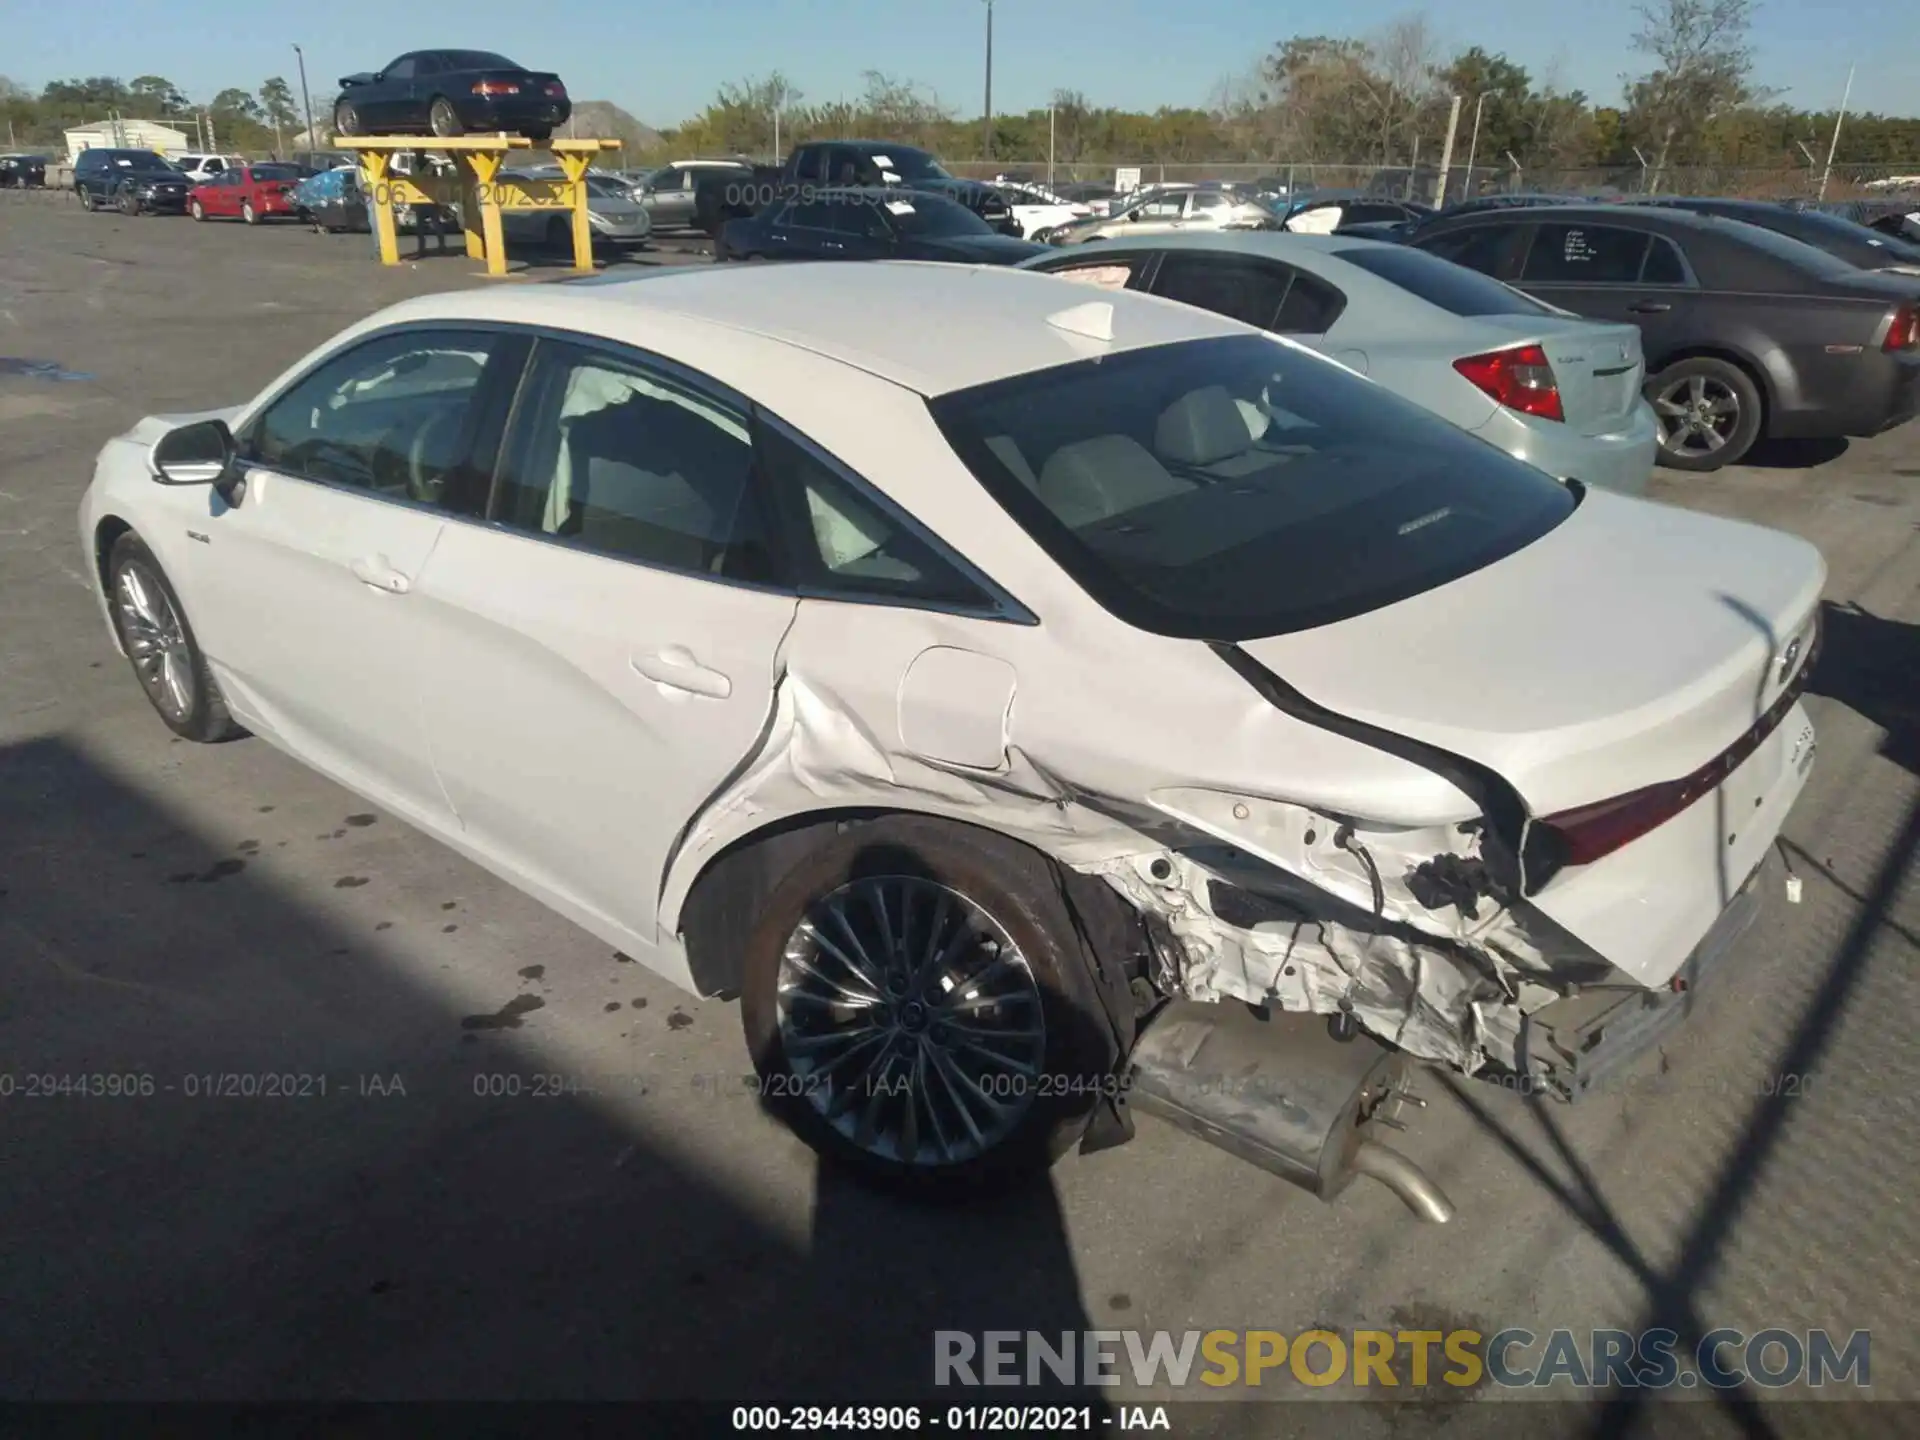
(1515, 1358)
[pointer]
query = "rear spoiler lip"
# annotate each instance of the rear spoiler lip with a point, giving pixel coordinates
(1521, 854)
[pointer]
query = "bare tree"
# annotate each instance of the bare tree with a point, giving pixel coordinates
(1703, 65)
(1399, 81)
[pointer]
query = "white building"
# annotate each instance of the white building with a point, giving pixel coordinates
(126, 135)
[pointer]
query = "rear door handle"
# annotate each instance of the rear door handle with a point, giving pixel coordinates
(1649, 307)
(675, 667)
(375, 571)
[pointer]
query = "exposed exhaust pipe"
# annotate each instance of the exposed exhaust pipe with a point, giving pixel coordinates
(1277, 1090)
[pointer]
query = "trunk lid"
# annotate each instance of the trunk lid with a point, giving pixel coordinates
(1598, 368)
(1626, 648)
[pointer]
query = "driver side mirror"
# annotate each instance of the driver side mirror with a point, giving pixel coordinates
(196, 454)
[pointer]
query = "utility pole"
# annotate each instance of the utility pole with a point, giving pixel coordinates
(776, 133)
(1049, 144)
(1473, 145)
(306, 101)
(989, 105)
(1827, 174)
(1446, 154)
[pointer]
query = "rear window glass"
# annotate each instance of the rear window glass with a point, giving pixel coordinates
(1454, 288)
(1231, 488)
(276, 172)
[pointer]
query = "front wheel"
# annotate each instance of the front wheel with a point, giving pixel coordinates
(129, 203)
(1708, 410)
(196, 209)
(346, 119)
(166, 659)
(919, 1009)
(442, 118)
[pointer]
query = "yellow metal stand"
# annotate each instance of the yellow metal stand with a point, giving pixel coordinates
(477, 193)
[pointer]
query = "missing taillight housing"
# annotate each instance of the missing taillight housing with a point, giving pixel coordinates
(556, 90)
(1904, 332)
(495, 87)
(1592, 832)
(1520, 378)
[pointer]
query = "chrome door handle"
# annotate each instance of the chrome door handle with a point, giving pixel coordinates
(675, 667)
(375, 571)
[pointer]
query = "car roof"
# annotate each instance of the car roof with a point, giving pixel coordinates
(955, 326)
(1600, 213)
(1280, 244)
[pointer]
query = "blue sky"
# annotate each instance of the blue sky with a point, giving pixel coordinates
(663, 61)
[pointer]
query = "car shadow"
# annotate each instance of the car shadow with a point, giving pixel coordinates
(1795, 454)
(401, 1232)
(1872, 666)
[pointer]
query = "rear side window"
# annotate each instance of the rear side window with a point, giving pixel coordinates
(1249, 291)
(1232, 488)
(1664, 265)
(1453, 288)
(1481, 247)
(1585, 255)
(1102, 274)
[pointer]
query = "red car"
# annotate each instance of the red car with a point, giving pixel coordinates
(252, 192)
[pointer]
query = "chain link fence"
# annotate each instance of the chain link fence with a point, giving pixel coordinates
(1419, 183)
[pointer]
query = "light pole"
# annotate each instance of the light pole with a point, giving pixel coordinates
(1827, 173)
(1473, 145)
(989, 105)
(306, 101)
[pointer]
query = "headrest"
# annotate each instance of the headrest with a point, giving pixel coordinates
(1202, 427)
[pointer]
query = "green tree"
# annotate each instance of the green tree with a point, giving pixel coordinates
(276, 103)
(1702, 68)
(237, 104)
(154, 97)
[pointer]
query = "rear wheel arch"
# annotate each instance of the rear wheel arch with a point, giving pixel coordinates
(723, 903)
(1754, 370)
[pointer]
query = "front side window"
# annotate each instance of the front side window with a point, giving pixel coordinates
(933, 215)
(616, 457)
(390, 416)
(401, 69)
(1585, 255)
(1238, 487)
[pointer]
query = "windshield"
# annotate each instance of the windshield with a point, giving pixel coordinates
(609, 189)
(140, 160)
(933, 215)
(1232, 488)
(1814, 226)
(910, 164)
(1453, 288)
(475, 60)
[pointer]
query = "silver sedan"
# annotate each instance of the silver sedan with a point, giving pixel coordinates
(615, 217)
(1557, 391)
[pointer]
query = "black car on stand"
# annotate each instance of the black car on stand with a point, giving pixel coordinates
(1747, 333)
(451, 92)
(134, 182)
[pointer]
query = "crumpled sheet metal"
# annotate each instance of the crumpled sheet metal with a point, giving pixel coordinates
(1426, 998)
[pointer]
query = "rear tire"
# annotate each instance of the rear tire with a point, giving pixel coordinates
(1709, 412)
(248, 214)
(442, 119)
(87, 201)
(160, 645)
(847, 1001)
(539, 134)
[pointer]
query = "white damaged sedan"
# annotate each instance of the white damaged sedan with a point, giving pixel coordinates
(1032, 709)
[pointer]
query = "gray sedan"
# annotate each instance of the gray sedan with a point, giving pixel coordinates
(614, 216)
(1552, 389)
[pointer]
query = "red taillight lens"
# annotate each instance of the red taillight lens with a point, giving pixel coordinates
(1904, 332)
(1520, 379)
(495, 87)
(1590, 832)
(556, 90)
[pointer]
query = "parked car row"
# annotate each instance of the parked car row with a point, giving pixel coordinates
(696, 606)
